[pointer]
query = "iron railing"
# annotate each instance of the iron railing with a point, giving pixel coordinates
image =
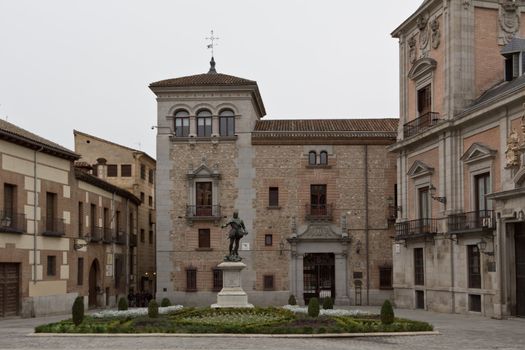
(96, 234)
(54, 227)
(196, 212)
(12, 222)
(474, 220)
(416, 228)
(120, 238)
(421, 124)
(108, 235)
(318, 212)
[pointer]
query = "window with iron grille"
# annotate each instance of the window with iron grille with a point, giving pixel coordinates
(323, 158)
(80, 271)
(268, 282)
(217, 280)
(143, 172)
(112, 170)
(51, 210)
(51, 265)
(474, 271)
(273, 194)
(312, 158)
(191, 279)
(125, 170)
(474, 303)
(419, 267)
(385, 277)
(204, 238)
(268, 240)
(151, 176)
(9, 203)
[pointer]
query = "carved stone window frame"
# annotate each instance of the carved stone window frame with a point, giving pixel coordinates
(203, 174)
(479, 159)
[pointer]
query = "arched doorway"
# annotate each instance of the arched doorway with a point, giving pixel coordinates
(94, 276)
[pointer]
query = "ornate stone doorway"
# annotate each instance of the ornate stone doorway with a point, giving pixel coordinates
(319, 276)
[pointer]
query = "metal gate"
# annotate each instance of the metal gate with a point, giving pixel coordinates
(520, 270)
(319, 276)
(9, 289)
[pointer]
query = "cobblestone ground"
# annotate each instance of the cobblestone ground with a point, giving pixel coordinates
(457, 332)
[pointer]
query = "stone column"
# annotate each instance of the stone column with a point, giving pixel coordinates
(341, 280)
(215, 126)
(299, 279)
(193, 125)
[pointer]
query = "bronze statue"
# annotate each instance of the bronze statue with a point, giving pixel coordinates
(237, 231)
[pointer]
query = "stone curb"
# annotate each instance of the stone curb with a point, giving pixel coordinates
(228, 335)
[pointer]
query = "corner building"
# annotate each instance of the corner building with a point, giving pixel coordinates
(316, 196)
(460, 236)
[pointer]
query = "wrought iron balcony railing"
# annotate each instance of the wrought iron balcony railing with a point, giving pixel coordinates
(203, 212)
(471, 221)
(96, 234)
(11, 222)
(318, 212)
(54, 227)
(421, 124)
(120, 238)
(108, 235)
(416, 228)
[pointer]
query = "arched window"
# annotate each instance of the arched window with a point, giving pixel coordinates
(204, 123)
(323, 158)
(182, 123)
(312, 158)
(227, 123)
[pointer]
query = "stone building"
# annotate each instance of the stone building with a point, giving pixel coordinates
(61, 236)
(134, 171)
(316, 197)
(460, 238)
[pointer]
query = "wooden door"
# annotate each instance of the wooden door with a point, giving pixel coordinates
(9, 289)
(520, 270)
(93, 290)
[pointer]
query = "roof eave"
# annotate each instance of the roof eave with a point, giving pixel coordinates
(23, 141)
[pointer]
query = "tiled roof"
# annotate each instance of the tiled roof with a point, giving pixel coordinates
(498, 91)
(21, 136)
(515, 45)
(95, 181)
(208, 79)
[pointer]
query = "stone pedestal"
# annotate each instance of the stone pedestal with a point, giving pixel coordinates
(232, 294)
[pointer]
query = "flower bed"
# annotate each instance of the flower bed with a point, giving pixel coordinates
(327, 312)
(248, 321)
(138, 311)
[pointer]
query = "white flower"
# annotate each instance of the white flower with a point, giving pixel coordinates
(137, 311)
(329, 312)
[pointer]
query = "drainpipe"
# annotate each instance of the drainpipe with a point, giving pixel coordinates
(366, 230)
(35, 206)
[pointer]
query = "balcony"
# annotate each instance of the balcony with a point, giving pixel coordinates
(203, 212)
(108, 235)
(416, 228)
(11, 222)
(416, 126)
(318, 212)
(120, 238)
(96, 234)
(473, 221)
(54, 227)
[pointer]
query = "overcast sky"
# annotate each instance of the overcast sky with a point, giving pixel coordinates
(86, 65)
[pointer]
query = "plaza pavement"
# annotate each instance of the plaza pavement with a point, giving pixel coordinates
(457, 332)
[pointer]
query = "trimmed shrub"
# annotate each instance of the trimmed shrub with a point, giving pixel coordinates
(153, 309)
(165, 302)
(328, 303)
(78, 311)
(291, 300)
(313, 307)
(387, 313)
(122, 304)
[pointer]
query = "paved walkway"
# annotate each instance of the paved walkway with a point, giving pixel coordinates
(457, 332)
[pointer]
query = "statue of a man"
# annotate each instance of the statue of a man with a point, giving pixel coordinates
(237, 231)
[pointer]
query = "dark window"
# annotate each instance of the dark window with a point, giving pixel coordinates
(424, 203)
(80, 271)
(150, 237)
(323, 158)
(9, 204)
(151, 176)
(51, 210)
(424, 100)
(419, 267)
(227, 123)
(119, 267)
(142, 197)
(182, 124)
(143, 172)
(93, 218)
(150, 201)
(482, 188)
(273, 200)
(80, 219)
(474, 303)
(420, 299)
(204, 199)
(51, 265)
(312, 158)
(318, 199)
(112, 170)
(268, 282)
(217, 280)
(204, 238)
(131, 262)
(191, 279)
(268, 240)
(474, 270)
(385, 278)
(204, 124)
(142, 238)
(125, 170)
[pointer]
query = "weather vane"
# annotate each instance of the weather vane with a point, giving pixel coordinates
(212, 43)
